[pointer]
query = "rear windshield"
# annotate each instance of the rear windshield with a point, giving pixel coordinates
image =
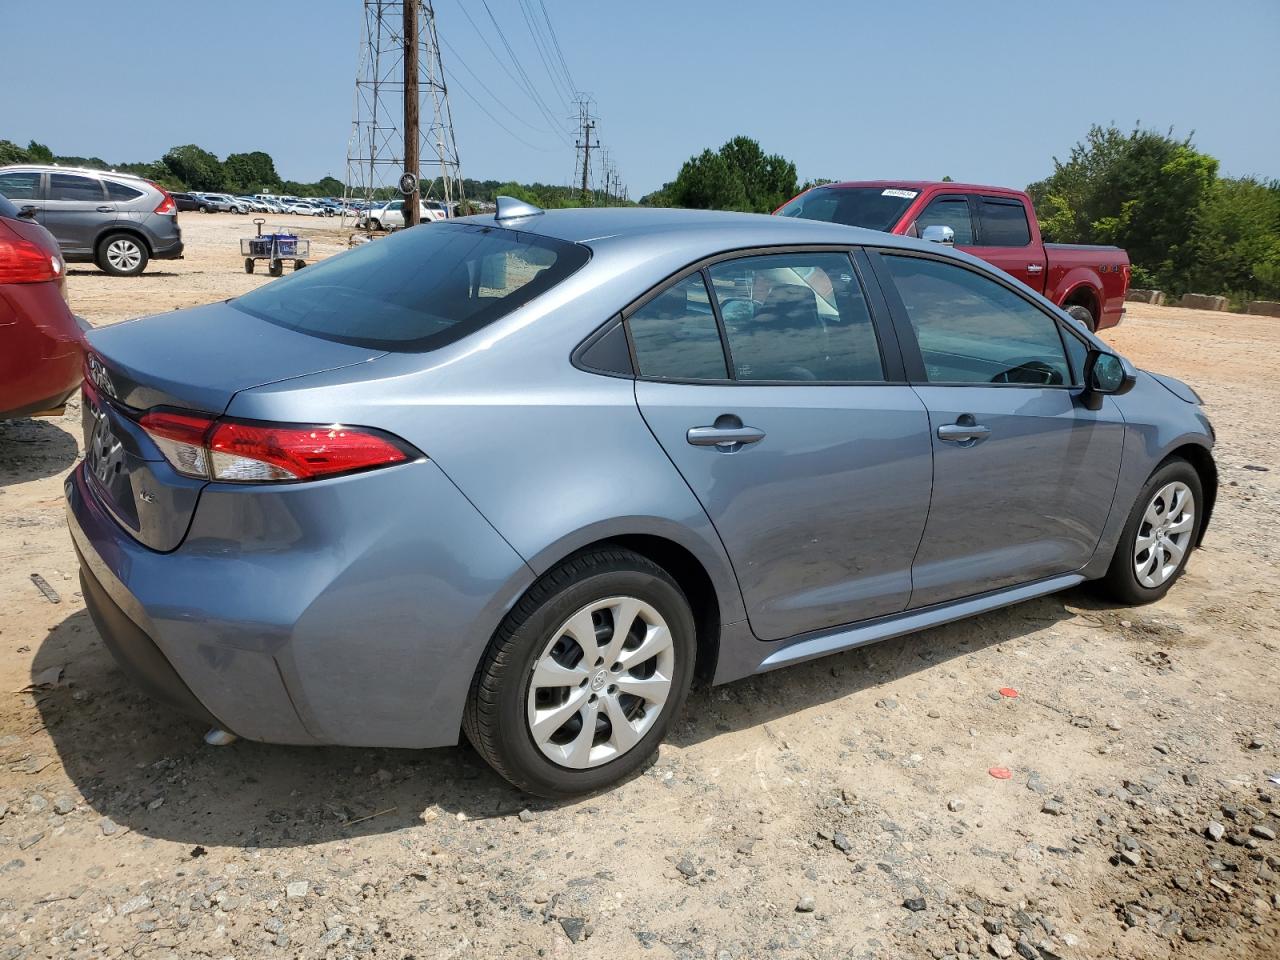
(876, 208)
(417, 289)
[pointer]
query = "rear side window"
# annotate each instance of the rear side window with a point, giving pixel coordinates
(20, 186)
(796, 317)
(68, 186)
(118, 191)
(418, 289)
(951, 212)
(675, 334)
(1004, 224)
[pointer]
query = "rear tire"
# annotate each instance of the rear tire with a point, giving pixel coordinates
(1158, 536)
(538, 686)
(299, 264)
(121, 255)
(276, 269)
(248, 264)
(1084, 316)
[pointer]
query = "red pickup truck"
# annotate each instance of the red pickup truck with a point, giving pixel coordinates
(994, 223)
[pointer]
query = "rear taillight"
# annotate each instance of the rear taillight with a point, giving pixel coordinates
(249, 452)
(166, 205)
(22, 261)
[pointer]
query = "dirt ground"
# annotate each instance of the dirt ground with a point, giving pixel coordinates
(843, 808)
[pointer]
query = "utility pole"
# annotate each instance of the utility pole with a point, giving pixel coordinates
(586, 127)
(411, 200)
(393, 146)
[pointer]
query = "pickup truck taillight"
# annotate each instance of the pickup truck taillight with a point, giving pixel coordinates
(239, 451)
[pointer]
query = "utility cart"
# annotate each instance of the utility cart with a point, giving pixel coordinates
(275, 248)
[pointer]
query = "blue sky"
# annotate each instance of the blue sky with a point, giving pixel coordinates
(980, 91)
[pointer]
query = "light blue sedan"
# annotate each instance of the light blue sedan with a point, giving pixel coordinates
(528, 476)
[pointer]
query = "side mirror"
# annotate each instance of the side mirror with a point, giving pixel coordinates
(939, 233)
(27, 213)
(1106, 374)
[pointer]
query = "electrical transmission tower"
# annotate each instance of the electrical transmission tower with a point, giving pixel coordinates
(585, 144)
(400, 79)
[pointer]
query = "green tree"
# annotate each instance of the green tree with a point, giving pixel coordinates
(39, 153)
(739, 176)
(1235, 241)
(196, 167)
(10, 152)
(251, 172)
(1142, 191)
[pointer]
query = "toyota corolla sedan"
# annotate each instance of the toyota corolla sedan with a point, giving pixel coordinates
(527, 476)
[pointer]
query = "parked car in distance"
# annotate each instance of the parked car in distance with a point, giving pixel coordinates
(742, 442)
(390, 215)
(116, 220)
(307, 209)
(41, 342)
(996, 224)
(186, 201)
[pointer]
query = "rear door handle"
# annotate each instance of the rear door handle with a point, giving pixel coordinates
(104, 209)
(963, 433)
(723, 436)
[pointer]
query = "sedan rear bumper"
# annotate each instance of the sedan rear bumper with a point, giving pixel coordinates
(347, 611)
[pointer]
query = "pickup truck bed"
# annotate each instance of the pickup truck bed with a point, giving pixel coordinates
(996, 224)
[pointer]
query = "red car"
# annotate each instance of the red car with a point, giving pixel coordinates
(41, 341)
(995, 224)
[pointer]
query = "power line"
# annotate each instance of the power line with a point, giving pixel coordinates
(556, 43)
(533, 146)
(543, 49)
(515, 62)
(496, 99)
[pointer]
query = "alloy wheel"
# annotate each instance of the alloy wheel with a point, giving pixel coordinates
(124, 255)
(601, 682)
(1164, 535)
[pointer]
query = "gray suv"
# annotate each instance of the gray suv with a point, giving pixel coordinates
(115, 220)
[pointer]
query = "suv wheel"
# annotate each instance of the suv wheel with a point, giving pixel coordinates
(582, 680)
(122, 255)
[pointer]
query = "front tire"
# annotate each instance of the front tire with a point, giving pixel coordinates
(122, 255)
(582, 680)
(1158, 536)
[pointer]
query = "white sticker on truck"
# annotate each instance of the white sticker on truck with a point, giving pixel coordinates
(904, 194)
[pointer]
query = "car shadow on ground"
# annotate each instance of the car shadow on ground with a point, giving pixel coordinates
(93, 272)
(33, 448)
(145, 769)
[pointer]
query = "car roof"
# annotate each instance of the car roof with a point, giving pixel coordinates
(922, 185)
(597, 226)
(55, 168)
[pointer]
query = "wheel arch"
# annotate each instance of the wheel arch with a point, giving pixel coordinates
(1206, 468)
(705, 578)
(1084, 295)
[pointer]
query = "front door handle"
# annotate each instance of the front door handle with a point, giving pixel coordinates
(963, 433)
(726, 436)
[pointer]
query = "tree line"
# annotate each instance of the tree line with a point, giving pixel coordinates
(1186, 228)
(191, 167)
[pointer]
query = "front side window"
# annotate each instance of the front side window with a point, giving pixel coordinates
(796, 317)
(417, 289)
(20, 186)
(1004, 224)
(675, 334)
(973, 330)
(67, 186)
(950, 212)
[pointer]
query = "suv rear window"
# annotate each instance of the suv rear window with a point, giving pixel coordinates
(418, 289)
